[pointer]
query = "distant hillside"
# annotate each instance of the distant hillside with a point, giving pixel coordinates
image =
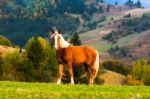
(113, 22)
(22, 19)
(145, 3)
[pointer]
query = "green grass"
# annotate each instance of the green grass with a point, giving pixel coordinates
(101, 45)
(22, 90)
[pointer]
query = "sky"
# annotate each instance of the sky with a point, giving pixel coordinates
(145, 3)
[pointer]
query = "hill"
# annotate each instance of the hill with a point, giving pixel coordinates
(21, 90)
(95, 36)
(92, 19)
(112, 78)
(8, 50)
(145, 3)
(22, 19)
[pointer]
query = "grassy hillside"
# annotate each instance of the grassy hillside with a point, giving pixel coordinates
(113, 21)
(13, 90)
(113, 78)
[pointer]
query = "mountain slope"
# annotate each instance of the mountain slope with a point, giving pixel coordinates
(145, 3)
(95, 37)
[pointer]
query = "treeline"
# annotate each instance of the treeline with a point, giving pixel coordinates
(129, 26)
(36, 8)
(131, 4)
(22, 19)
(19, 30)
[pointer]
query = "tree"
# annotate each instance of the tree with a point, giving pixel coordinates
(102, 1)
(4, 41)
(35, 50)
(108, 8)
(116, 3)
(140, 70)
(101, 9)
(20, 2)
(138, 4)
(40, 55)
(75, 39)
(129, 3)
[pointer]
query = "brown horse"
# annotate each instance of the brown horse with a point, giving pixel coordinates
(75, 55)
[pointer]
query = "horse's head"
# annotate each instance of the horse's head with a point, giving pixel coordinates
(58, 40)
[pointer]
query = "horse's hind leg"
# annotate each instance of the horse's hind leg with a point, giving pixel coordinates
(91, 74)
(70, 72)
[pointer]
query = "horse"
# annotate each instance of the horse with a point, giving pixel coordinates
(71, 55)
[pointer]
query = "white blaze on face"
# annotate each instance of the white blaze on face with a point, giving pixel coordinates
(56, 43)
(62, 42)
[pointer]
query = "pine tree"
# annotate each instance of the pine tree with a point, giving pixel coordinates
(138, 4)
(101, 9)
(35, 51)
(75, 39)
(129, 3)
(20, 2)
(108, 8)
(101, 1)
(116, 3)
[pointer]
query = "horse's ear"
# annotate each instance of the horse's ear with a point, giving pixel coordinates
(52, 32)
(59, 31)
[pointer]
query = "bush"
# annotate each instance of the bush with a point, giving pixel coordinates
(116, 66)
(131, 81)
(38, 63)
(4, 41)
(11, 63)
(140, 70)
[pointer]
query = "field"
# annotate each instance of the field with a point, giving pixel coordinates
(22, 90)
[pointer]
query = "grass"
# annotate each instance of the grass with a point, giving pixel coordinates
(101, 45)
(104, 46)
(23, 90)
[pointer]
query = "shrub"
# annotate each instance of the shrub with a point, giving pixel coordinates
(4, 41)
(140, 70)
(11, 63)
(131, 81)
(116, 66)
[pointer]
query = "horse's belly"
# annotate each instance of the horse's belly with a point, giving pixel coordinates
(78, 60)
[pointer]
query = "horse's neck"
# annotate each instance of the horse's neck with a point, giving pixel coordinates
(64, 43)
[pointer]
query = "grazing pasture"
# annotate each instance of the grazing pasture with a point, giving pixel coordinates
(24, 90)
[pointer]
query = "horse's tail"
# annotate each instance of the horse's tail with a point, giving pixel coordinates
(96, 64)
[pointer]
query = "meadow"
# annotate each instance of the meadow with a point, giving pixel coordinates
(24, 90)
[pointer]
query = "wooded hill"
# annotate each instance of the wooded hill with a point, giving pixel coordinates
(22, 19)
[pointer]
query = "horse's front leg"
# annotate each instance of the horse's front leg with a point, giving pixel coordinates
(60, 72)
(70, 72)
